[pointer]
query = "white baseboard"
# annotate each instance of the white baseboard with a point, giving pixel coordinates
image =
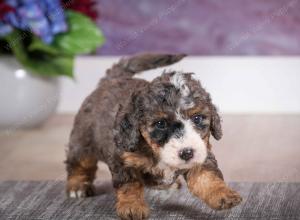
(236, 84)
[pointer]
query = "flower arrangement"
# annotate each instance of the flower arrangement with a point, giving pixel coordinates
(46, 35)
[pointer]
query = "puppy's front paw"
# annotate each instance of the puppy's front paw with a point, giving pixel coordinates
(80, 189)
(224, 198)
(132, 210)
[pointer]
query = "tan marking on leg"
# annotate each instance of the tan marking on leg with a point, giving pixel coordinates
(207, 185)
(137, 161)
(81, 177)
(143, 163)
(130, 202)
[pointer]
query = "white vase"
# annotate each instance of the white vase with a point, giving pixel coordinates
(26, 100)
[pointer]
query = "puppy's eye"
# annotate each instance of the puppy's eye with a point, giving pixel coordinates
(198, 120)
(161, 124)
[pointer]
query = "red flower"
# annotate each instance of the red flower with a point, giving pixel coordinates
(4, 8)
(86, 7)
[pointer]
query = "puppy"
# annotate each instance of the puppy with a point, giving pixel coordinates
(149, 134)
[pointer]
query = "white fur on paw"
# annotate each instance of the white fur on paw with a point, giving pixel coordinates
(72, 194)
(79, 194)
(76, 194)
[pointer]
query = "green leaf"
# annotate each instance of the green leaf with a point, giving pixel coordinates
(57, 58)
(38, 45)
(14, 40)
(82, 37)
(52, 66)
(40, 62)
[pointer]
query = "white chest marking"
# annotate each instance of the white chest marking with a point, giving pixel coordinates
(169, 174)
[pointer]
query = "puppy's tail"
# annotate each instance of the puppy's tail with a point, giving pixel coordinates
(128, 67)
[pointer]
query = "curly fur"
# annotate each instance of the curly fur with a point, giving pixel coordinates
(115, 124)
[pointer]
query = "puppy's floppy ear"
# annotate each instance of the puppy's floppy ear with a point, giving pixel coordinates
(126, 127)
(215, 127)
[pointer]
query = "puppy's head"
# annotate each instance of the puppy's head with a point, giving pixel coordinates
(175, 116)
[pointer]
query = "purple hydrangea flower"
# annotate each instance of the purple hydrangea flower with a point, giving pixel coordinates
(44, 18)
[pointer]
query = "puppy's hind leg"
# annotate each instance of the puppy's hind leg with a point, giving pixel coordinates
(81, 174)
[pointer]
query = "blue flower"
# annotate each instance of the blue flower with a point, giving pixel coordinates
(44, 18)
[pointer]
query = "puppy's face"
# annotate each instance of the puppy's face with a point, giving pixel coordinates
(180, 138)
(175, 116)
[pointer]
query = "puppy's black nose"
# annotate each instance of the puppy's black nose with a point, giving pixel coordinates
(186, 154)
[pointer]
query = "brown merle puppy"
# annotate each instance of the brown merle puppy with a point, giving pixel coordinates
(148, 133)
